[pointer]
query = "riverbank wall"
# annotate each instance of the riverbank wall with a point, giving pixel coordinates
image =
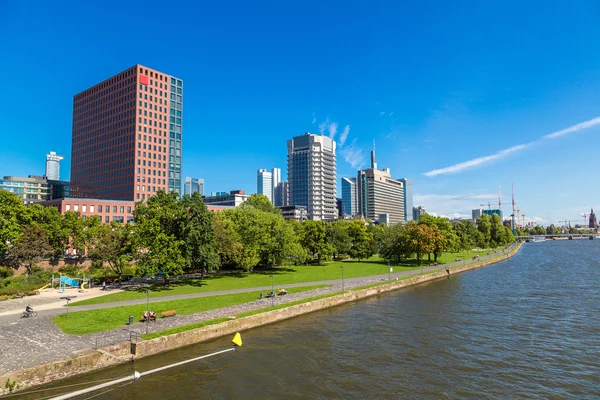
(121, 353)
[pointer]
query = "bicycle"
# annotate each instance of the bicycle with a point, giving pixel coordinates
(26, 314)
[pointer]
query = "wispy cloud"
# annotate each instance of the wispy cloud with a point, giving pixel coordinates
(353, 155)
(333, 129)
(574, 128)
(344, 135)
(382, 113)
(453, 169)
(479, 161)
(390, 114)
(323, 126)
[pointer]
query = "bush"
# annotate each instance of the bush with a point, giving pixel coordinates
(24, 283)
(6, 272)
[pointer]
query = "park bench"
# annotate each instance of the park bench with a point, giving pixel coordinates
(33, 293)
(150, 317)
(169, 313)
(3, 297)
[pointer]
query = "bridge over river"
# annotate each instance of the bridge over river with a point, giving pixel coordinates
(569, 236)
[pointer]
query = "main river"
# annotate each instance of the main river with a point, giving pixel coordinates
(524, 328)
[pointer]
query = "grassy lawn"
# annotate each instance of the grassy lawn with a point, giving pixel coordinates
(84, 322)
(283, 276)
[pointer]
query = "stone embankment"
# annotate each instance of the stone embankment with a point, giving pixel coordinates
(120, 353)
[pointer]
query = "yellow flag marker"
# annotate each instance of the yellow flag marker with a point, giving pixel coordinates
(237, 339)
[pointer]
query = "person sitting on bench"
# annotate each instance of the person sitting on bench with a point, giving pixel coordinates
(152, 316)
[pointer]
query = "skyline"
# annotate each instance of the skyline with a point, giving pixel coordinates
(457, 100)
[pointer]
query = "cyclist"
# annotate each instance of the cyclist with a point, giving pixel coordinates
(28, 310)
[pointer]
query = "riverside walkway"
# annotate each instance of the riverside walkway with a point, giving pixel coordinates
(35, 341)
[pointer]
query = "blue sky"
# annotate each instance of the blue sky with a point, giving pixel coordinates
(438, 86)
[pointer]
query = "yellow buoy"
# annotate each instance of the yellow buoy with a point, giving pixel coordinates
(237, 339)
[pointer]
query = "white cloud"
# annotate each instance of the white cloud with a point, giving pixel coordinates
(314, 120)
(344, 135)
(506, 152)
(382, 113)
(353, 155)
(323, 126)
(574, 128)
(390, 114)
(477, 161)
(333, 129)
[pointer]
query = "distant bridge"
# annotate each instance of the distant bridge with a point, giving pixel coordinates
(570, 236)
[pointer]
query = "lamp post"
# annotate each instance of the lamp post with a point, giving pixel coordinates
(342, 267)
(272, 289)
(147, 311)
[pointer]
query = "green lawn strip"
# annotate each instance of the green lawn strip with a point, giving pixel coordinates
(277, 307)
(85, 322)
(184, 328)
(283, 276)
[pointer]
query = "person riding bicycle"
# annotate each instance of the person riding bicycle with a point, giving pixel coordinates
(28, 309)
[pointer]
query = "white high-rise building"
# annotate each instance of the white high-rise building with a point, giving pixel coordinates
(264, 183)
(53, 166)
(193, 185)
(312, 175)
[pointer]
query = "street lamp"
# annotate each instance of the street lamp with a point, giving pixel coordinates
(342, 267)
(147, 311)
(272, 288)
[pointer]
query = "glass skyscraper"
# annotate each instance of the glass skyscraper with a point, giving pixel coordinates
(349, 196)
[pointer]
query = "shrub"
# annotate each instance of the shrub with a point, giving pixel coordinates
(6, 272)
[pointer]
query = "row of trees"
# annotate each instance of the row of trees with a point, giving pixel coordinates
(173, 234)
(432, 236)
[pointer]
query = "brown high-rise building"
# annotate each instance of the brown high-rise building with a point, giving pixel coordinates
(127, 136)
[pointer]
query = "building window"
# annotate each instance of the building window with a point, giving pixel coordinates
(91, 209)
(76, 207)
(67, 207)
(129, 209)
(107, 219)
(122, 209)
(99, 209)
(84, 208)
(114, 209)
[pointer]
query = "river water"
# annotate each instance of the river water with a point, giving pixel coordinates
(524, 328)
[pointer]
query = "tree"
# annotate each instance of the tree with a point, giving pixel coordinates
(199, 235)
(337, 236)
(114, 247)
(496, 231)
(260, 202)
(448, 240)
(376, 232)
(31, 248)
(313, 239)
(484, 226)
(361, 240)
(395, 244)
(421, 239)
(228, 246)
(159, 227)
(52, 222)
(12, 213)
(539, 230)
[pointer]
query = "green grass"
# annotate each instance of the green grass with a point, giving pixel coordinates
(184, 328)
(85, 322)
(283, 276)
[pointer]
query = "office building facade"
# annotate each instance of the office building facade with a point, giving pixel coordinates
(417, 212)
(53, 166)
(264, 183)
(193, 185)
(232, 199)
(379, 194)
(349, 197)
(312, 175)
(280, 195)
(35, 189)
(408, 198)
(127, 136)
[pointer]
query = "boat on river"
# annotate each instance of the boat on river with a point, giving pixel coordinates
(537, 239)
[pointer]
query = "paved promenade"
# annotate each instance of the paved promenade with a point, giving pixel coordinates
(34, 341)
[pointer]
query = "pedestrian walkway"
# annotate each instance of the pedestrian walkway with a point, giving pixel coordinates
(35, 341)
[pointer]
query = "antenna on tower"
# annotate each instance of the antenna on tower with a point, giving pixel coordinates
(513, 198)
(373, 161)
(499, 201)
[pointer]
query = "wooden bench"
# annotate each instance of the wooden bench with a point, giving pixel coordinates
(169, 313)
(33, 293)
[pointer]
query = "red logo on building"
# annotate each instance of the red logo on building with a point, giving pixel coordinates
(144, 79)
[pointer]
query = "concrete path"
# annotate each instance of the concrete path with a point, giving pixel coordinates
(33, 341)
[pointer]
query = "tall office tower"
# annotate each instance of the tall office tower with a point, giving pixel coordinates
(264, 183)
(379, 194)
(312, 175)
(127, 136)
(53, 166)
(349, 196)
(280, 195)
(276, 178)
(408, 199)
(417, 212)
(193, 185)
